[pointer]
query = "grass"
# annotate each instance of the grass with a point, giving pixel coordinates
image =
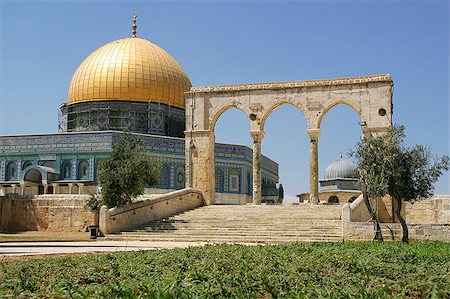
(300, 270)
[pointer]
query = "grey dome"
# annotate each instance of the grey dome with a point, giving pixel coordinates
(341, 169)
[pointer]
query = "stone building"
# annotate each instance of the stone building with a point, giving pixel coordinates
(128, 84)
(339, 185)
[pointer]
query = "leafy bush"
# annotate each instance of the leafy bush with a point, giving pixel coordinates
(299, 270)
(125, 174)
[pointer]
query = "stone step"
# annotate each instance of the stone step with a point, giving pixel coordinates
(230, 234)
(225, 239)
(248, 227)
(245, 224)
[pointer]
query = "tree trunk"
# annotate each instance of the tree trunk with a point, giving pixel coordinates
(377, 228)
(398, 210)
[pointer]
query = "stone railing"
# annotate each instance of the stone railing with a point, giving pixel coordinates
(154, 207)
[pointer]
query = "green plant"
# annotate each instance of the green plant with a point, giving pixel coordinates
(298, 270)
(125, 174)
(388, 166)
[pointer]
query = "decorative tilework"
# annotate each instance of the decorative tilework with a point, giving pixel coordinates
(74, 169)
(91, 168)
(2, 170)
(171, 176)
(169, 151)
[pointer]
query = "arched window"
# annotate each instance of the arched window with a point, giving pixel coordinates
(83, 170)
(11, 171)
(25, 164)
(66, 169)
(333, 199)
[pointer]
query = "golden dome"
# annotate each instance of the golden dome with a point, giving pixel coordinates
(129, 69)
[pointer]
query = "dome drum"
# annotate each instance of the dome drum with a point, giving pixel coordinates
(146, 118)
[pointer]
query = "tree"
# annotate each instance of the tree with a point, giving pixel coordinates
(125, 174)
(388, 166)
(369, 155)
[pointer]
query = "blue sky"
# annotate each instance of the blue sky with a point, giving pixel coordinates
(43, 42)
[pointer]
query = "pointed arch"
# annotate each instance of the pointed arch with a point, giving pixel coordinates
(334, 104)
(219, 113)
(269, 111)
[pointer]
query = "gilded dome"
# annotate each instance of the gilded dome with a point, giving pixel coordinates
(341, 169)
(129, 69)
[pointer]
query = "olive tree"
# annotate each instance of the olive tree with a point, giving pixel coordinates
(388, 166)
(125, 174)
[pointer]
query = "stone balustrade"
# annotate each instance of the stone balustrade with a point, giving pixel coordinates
(148, 209)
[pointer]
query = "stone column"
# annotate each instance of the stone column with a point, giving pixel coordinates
(13, 186)
(80, 187)
(22, 191)
(257, 190)
(200, 162)
(55, 188)
(314, 165)
(70, 187)
(45, 188)
(2, 190)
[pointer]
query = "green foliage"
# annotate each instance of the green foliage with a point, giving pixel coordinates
(299, 270)
(388, 166)
(95, 202)
(125, 174)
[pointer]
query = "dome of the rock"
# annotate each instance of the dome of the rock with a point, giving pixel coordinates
(129, 69)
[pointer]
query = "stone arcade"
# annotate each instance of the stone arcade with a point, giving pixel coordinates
(370, 97)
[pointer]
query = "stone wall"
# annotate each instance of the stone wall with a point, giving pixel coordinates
(427, 220)
(364, 231)
(56, 213)
(148, 209)
(434, 210)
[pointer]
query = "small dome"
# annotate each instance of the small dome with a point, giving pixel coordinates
(129, 69)
(341, 169)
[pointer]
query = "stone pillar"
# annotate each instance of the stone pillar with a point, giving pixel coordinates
(55, 188)
(45, 188)
(2, 190)
(257, 190)
(13, 187)
(70, 187)
(314, 165)
(22, 191)
(200, 162)
(80, 187)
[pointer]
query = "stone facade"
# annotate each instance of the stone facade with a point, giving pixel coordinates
(69, 163)
(370, 97)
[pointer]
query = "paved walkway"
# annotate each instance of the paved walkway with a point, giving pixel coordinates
(40, 248)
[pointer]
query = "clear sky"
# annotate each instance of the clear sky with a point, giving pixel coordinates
(43, 42)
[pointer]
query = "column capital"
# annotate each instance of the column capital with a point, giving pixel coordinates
(313, 134)
(257, 136)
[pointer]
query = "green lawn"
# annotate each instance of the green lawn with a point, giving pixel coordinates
(301, 270)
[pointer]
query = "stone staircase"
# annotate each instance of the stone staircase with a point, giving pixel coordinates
(244, 224)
